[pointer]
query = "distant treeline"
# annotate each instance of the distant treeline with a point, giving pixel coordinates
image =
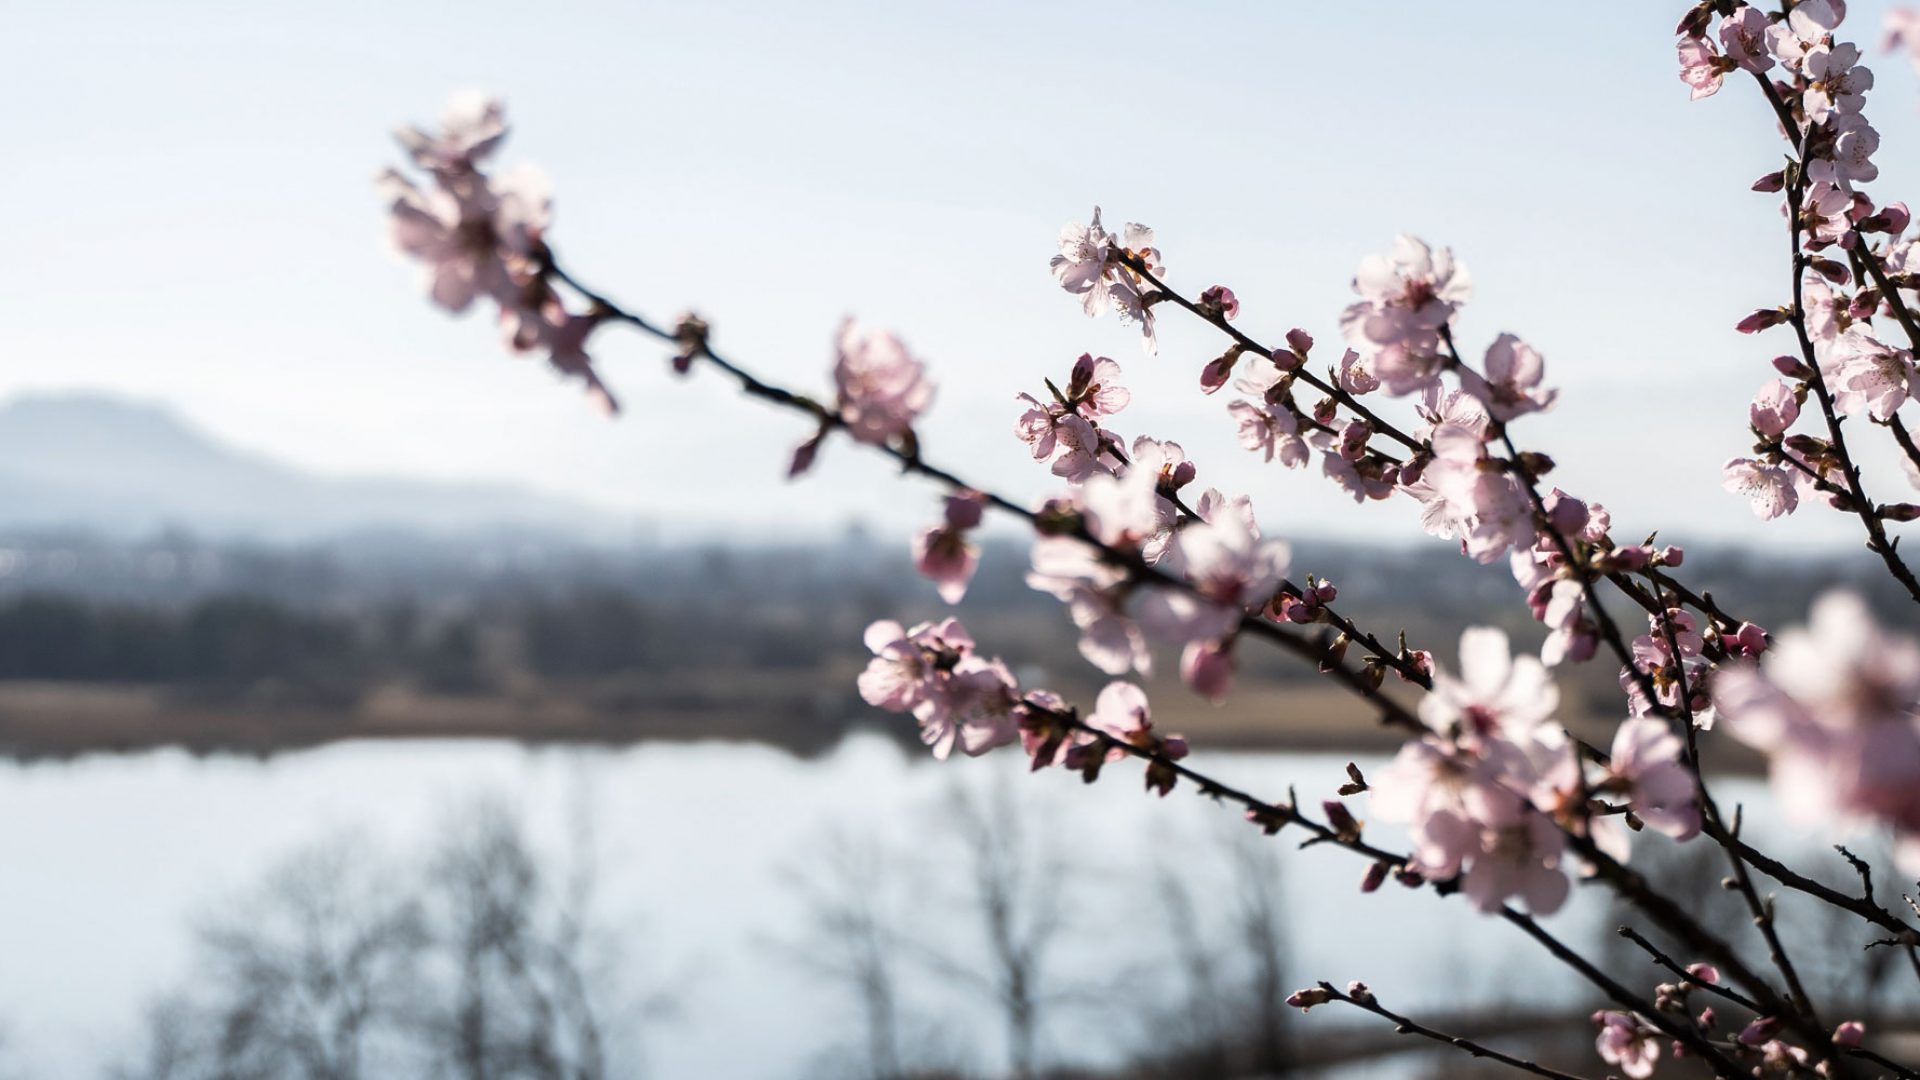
(240, 640)
(327, 625)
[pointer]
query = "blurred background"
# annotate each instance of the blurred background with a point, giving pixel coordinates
(373, 707)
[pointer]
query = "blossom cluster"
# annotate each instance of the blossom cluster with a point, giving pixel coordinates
(1490, 792)
(965, 700)
(1496, 798)
(484, 237)
(1820, 87)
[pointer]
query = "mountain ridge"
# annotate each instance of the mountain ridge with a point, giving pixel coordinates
(122, 466)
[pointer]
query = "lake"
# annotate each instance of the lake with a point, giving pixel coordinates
(698, 851)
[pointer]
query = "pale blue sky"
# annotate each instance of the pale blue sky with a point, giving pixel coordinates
(194, 222)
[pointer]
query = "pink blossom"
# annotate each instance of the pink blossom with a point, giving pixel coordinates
(1081, 450)
(1232, 572)
(1845, 157)
(1121, 711)
(1647, 765)
(1409, 367)
(1903, 32)
(1094, 389)
(1774, 409)
(1272, 431)
(1628, 1043)
(471, 237)
(1805, 28)
(1833, 707)
(959, 698)
(1356, 374)
(1409, 293)
(1835, 82)
(1743, 35)
(1219, 298)
(942, 553)
(1510, 385)
(563, 335)
(1772, 489)
(1116, 511)
(1701, 68)
(1870, 375)
(1823, 214)
(1136, 309)
(1367, 479)
(1828, 312)
(1207, 667)
(1496, 694)
(883, 389)
(1082, 267)
(472, 127)
(1849, 1034)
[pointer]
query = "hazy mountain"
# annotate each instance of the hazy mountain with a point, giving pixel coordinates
(121, 466)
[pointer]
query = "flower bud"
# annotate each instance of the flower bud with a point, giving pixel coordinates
(1336, 653)
(1761, 320)
(1773, 181)
(1567, 514)
(1219, 302)
(1792, 367)
(1341, 820)
(1899, 511)
(1630, 557)
(1848, 1035)
(1308, 998)
(1360, 992)
(1672, 555)
(1704, 974)
(1300, 342)
(1833, 271)
(1760, 1031)
(1376, 876)
(1218, 371)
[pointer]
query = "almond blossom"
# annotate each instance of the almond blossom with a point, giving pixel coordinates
(1772, 489)
(1406, 296)
(1091, 265)
(468, 240)
(1271, 431)
(1804, 29)
(1702, 68)
(1510, 386)
(1232, 572)
(1496, 694)
(1833, 705)
(1869, 375)
(1743, 35)
(1647, 766)
(882, 388)
(1903, 32)
(471, 129)
(1082, 267)
(1627, 1042)
(1835, 82)
(1774, 409)
(959, 698)
(943, 554)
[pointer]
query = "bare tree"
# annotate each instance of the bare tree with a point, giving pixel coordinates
(1260, 918)
(518, 938)
(850, 935)
(1016, 892)
(310, 977)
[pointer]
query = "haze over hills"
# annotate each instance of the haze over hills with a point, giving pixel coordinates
(124, 467)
